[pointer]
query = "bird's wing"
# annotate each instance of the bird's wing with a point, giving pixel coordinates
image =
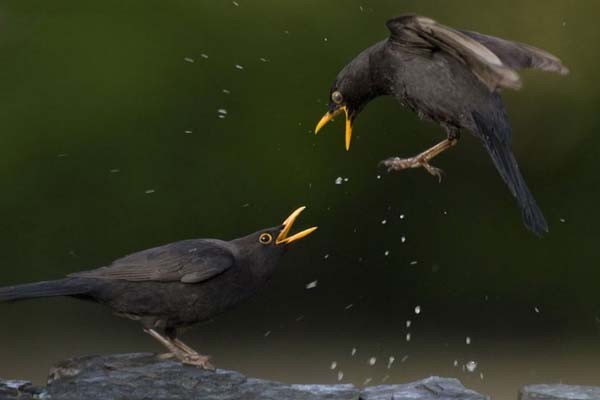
(174, 262)
(423, 34)
(520, 55)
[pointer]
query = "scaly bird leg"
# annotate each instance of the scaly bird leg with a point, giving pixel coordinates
(420, 160)
(181, 351)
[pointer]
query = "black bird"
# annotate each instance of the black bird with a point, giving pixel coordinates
(451, 77)
(177, 284)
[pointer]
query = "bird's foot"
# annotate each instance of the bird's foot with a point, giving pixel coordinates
(197, 360)
(399, 164)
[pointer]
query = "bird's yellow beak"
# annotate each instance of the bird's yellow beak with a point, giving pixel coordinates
(329, 116)
(283, 238)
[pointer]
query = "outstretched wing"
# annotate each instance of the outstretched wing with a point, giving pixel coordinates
(189, 261)
(494, 61)
(520, 55)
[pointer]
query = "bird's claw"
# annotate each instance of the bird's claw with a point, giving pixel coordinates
(166, 356)
(198, 360)
(399, 164)
(437, 172)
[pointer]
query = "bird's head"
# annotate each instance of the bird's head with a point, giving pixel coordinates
(262, 249)
(350, 93)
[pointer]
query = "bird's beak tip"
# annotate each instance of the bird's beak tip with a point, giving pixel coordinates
(283, 237)
(323, 121)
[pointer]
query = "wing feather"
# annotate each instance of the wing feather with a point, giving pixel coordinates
(494, 61)
(186, 261)
(520, 55)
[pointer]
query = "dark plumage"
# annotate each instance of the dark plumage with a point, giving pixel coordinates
(177, 284)
(451, 77)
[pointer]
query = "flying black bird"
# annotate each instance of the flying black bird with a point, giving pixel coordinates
(177, 284)
(449, 76)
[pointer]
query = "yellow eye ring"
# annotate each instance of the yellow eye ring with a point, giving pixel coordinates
(337, 97)
(265, 238)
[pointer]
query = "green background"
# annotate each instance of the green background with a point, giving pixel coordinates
(95, 103)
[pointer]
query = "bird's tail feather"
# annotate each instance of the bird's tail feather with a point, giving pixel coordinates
(61, 287)
(499, 148)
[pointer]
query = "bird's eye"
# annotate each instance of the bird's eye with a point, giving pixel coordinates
(265, 238)
(337, 97)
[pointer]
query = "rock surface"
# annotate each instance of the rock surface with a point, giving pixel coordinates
(144, 376)
(559, 392)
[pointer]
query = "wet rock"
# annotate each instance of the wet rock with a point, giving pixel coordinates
(433, 388)
(15, 389)
(145, 376)
(559, 392)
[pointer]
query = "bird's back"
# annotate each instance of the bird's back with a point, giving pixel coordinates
(438, 87)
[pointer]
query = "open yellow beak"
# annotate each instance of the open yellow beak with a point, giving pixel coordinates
(329, 116)
(283, 238)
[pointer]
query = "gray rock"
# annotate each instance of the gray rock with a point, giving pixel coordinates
(559, 392)
(432, 388)
(145, 377)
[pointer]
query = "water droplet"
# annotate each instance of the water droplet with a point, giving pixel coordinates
(383, 222)
(339, 180)
(324, 39)
(378, 176)
(387, 253)
(205, 56)
(471, 366)
(235, 3)
(267, 333)
(385, 378)
(239, 67)
(189, 59)
(149, 191)
(408, 323)
(226, 91)
(340, 375)
(333, 365)
(417, 310)
(372, 361)
(414, 262)
(456, 363)
(408, 337)
(401, 216)
(367, 381)
(115, 171)
(391, 361)
(264, 59)
(468, 340)
(563, 220)
(403, 239)
(404, 359)
(537, 310)
(312, 285)
(349, 306)
(353, 352)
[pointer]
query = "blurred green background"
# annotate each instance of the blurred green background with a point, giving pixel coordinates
(112, 142)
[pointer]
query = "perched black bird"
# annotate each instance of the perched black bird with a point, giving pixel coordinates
(177, 284)
(449, 76)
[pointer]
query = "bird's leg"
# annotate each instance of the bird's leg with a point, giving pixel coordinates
(181, 351)
(422, 159)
